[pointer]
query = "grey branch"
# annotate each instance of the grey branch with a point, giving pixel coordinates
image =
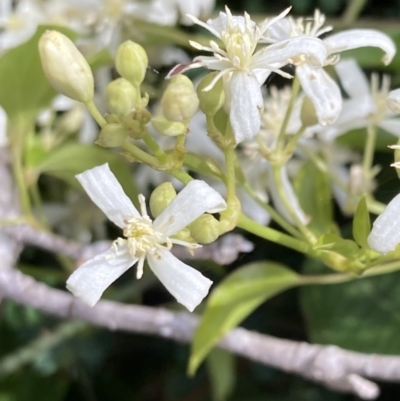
(331, 366)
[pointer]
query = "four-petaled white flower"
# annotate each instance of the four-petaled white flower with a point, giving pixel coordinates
(316, 83)
(244, 69)
(144, 239)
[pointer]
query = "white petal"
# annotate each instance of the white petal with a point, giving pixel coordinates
(187, 285)
(106, 192)
(385, 233)
(355, 38)
(323, 92)
(391, 125)
(3, 128)
(393, 101)
(281, 52)
(246, 105)
(290, 195)
(195, 199)
(91, 279)
(352, 78)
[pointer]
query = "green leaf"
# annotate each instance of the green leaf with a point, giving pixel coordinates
(24, 87)
(313, 191)
(362, 315)
(361, 223)
(236, 298)
(74, 158)
(221, 368)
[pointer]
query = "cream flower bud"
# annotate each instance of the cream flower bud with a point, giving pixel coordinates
(205, 229)
(112, 136)
(121, 97)
(161, 197)
(65, 67)
(179, 102)
(213, 99)
(131, 62)
(393, 101)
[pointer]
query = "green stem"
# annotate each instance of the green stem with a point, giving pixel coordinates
(352, 12)
(272, 235)
(369, 150)
(286, 203)
(272, 212)
(153, 145)
(181, 175)
(230, 158)
(289, 110)
(93, 110)
(140, 154)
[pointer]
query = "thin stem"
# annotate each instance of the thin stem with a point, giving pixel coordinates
(288, 206)
(140, 154)
(352, 11)
(272, 235)
(369, 150)
(181, 175)
(289, 110)
(272, 212)
(93, 110)
(153, 145)
(230, 158)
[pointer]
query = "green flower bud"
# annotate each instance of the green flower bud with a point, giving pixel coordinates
(121, 97)
(205, 229)
(168, 128)
(112, 136)
(131, 62)
(161, 197)
(65, 67)
(308, 115)
(179, 102)
(212, 100)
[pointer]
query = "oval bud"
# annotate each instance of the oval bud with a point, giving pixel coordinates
(65, 67)
(213, 99)
(161, 197)
(179, 102)
(205, 229)
(112, 136)
(168, 128)
(121, 97)
(131, 62)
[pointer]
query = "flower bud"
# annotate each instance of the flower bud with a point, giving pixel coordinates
(65, 67)
(168, 128)
(205, 229)
(131, 62)
(179, 102)
(308, 115)
(161, 197)
(211, 100)
(121, 97)
(112, 136)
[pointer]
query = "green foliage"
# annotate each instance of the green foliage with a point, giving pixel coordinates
(221, 368)
(361, 315)
(361, 223)
(24, 87)
(234, 299)
(313, 191)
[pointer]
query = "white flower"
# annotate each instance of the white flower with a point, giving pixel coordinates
(244, 69)
(144, 239)
(393, 101)
(316, 83)
(367, 104)
(385, 233)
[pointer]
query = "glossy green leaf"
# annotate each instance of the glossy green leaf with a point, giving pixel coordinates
(236, 298)
(362, 223)
(24, 87)
(313, 191)
(221, 369)
(361, 315)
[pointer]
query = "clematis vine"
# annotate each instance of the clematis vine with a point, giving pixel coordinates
(144, 239)
(244, 68)
(316, 83)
